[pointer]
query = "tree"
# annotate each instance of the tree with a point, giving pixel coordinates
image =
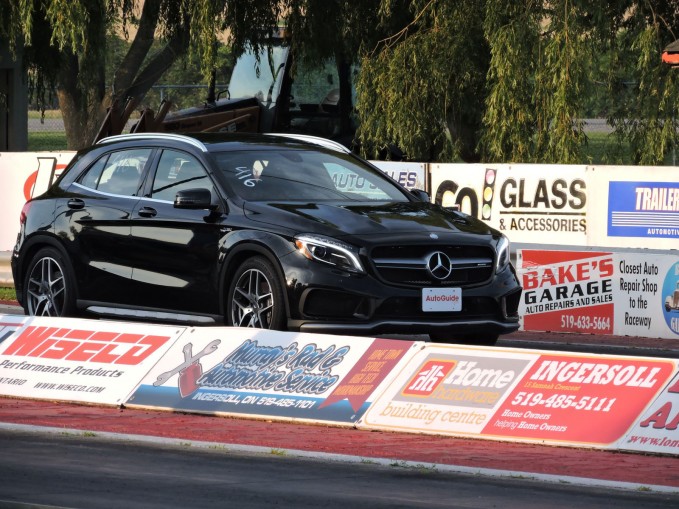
(508, 81)
(65, 47)
(422, 88)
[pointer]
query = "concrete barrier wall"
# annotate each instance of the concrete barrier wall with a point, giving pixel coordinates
(558, 398)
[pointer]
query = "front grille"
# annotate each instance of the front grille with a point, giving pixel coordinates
(407, 265)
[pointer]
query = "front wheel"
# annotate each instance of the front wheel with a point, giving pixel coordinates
(49, 289)
(255, 298)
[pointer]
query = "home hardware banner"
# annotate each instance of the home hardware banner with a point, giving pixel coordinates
(271, 374)
(619, 293)
(530, 203)
(567, 399)
(92, 361)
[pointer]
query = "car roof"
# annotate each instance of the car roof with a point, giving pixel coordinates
(209, 142)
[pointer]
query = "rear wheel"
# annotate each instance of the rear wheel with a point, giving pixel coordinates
(255, 298)
(49, 288)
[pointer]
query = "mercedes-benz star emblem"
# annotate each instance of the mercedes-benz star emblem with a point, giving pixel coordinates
(438, 265)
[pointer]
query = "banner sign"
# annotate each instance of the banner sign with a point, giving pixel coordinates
(594, 292)
(657, 429)
(409, 175)
(643, 209)
(9, 324)
(268, 373)
(23, 176)
(530, 203)
(91, 361)
(566, 291)
(529, 395)
(580, 399)
(634, 213)
(448, 389)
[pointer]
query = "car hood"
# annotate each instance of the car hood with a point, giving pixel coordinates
(365, 219)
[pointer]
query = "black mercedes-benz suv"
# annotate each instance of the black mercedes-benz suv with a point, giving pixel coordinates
(267, 231)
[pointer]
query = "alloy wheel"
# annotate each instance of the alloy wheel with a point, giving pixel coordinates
(46, 289)
(252, 303)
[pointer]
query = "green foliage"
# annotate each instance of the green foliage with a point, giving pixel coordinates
(473, 80)
(7, 294)
(47, 140)
(420, 88)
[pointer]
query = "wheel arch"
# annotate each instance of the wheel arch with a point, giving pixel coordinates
(236, 256)
(31, 246)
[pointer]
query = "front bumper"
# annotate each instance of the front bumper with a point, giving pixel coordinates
(326, 300)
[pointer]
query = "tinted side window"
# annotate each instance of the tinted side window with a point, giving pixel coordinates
(178, 171)
(117, 172)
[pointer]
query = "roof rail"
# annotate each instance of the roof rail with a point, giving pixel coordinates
(316, 140)
(155, 136)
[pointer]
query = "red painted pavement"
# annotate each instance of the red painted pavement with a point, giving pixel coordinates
(640, 469)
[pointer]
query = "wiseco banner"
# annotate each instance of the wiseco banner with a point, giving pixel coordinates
(92, 361)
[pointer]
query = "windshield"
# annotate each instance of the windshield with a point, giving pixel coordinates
(304, 175)
(259, 75)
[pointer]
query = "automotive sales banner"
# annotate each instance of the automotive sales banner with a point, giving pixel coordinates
(92, 361)
(567, 399)
(271, 374)
(409, 175)
(620, 293)
(530, 203)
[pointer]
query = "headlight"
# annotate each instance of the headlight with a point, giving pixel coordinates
(502, 254)
(330, 251)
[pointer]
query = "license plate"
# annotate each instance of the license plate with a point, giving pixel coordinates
(441, 299)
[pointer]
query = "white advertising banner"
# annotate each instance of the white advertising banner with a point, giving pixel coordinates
(635, 207)
(506, 394)
(22, 176)
(448, 389)
(409, 175)
(657, 429)
(262, 373)
(91, 361)
(9, 324)
(530, 203)
(621, 293)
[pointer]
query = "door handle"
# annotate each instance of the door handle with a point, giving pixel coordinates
(147, 212)
(75, 203)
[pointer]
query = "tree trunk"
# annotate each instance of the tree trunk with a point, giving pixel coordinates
(81, 105)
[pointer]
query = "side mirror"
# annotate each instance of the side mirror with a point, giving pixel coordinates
(194, 199)
(420, 195)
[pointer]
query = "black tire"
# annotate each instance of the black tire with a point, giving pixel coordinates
(49, 285)
(465, 339)
(255, 297)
